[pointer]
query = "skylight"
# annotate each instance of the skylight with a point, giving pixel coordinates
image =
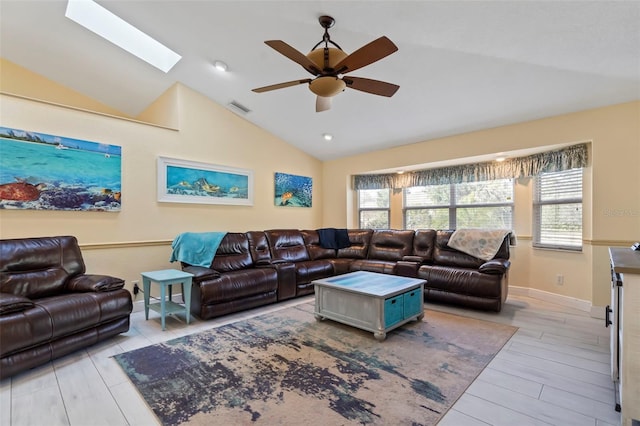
(96, 18)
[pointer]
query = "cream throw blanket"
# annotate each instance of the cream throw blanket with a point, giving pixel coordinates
(480, 243)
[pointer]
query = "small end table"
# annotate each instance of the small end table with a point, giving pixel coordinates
(166, 278)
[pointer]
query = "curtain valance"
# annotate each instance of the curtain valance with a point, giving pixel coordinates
(572, 157)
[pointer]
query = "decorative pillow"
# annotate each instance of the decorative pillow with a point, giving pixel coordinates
(11, 303)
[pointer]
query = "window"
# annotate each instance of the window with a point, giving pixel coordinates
(485, 204)
(557, 210)
(373, 206)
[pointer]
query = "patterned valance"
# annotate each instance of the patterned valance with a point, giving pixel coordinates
(572, 157)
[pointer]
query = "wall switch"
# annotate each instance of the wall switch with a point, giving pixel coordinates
(559, 279)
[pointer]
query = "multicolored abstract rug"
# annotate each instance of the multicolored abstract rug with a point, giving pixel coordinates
(286, 368)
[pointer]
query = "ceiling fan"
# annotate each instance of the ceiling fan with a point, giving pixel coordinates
(329, 64)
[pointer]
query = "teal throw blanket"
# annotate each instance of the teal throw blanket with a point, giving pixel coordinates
(196, 248)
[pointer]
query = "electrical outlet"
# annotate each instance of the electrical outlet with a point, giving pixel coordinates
(559, 279)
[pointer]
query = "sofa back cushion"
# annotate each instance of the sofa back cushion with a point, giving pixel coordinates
(424, 241)
(233, 253)
(315, 250)
(445, 255)
(360, 239)
(259, 246)
(39, 267)
(390, 244)
(287, 245)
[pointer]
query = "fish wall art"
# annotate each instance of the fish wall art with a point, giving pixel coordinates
(293, 190)
(46, 172)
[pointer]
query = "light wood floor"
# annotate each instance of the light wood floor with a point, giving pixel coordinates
(554, 371)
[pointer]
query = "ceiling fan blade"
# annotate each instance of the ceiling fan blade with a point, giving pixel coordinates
(281, 85)
(322, 103)
(294, 55)
(366, 55)
(368, 85)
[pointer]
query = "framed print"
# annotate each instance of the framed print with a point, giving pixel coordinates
(39, 171)
(182, 181)
(293, 190)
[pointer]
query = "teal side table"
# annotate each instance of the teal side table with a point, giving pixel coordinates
(165, 279)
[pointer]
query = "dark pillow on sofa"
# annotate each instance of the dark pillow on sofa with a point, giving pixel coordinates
(11, 303)
(494, 267)
(91, 282)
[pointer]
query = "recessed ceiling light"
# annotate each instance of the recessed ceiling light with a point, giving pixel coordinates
(327, 136)
(96, 18)
(220, 66)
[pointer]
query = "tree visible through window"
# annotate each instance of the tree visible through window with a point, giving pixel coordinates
(485, 204)
(374, 208)
(557, 210)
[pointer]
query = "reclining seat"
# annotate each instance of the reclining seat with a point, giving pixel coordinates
(233, 282)
(458, 278)
(386, 249)
(49, 307)
(288, 245)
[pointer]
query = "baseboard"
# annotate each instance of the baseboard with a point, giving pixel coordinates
(570, 302)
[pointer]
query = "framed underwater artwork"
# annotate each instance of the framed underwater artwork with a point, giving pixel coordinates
(182, 181)
(39, 171)
(293, 190)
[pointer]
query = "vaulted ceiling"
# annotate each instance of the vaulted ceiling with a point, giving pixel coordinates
(461, 65)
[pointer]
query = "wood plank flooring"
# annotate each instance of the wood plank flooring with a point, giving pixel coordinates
(554, 371)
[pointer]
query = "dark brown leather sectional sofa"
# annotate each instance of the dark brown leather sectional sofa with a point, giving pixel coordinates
(260, 267)
(49, 307)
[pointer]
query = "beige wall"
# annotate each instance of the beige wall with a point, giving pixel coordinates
(137, 238)
(611, 191)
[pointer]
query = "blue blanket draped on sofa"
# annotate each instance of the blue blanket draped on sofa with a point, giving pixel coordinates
(196, 248)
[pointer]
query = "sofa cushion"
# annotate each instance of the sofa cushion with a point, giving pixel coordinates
(423, 243)
(447, 256)
(287, 244)
(11, 303)
(233, 253)
(360, 239)
(315, 250)
(39, 267)
(390, 244)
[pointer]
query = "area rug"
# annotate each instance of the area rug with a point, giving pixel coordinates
(286, 368)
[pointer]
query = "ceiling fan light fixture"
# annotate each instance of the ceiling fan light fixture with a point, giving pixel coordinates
(327, 86)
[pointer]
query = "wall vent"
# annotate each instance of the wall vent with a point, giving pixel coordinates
(238, 107)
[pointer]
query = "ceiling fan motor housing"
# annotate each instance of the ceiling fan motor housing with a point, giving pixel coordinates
(335, 56)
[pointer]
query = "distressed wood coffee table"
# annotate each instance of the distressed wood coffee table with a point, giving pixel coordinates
(370, 301)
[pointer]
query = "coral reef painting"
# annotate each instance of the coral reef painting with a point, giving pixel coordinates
(292, 190)
(45, 172)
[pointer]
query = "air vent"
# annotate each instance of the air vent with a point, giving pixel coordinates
(239, 108)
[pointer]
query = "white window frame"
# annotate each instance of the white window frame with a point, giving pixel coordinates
(369, 209)
(453, 206)
(539, 203)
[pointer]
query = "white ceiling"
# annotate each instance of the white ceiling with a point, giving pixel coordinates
(461, 66)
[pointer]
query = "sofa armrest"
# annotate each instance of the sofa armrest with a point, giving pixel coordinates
(495, 267)
(86, 283)
(271, 262)
(200, 273)
(417, 259)
(10, 303)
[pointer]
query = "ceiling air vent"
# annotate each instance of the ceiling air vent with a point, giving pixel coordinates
(239, 108)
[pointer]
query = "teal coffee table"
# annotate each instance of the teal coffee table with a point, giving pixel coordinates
(370, 301)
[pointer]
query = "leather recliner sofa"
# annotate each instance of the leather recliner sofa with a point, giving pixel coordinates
(261, 267)
(49, 307)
